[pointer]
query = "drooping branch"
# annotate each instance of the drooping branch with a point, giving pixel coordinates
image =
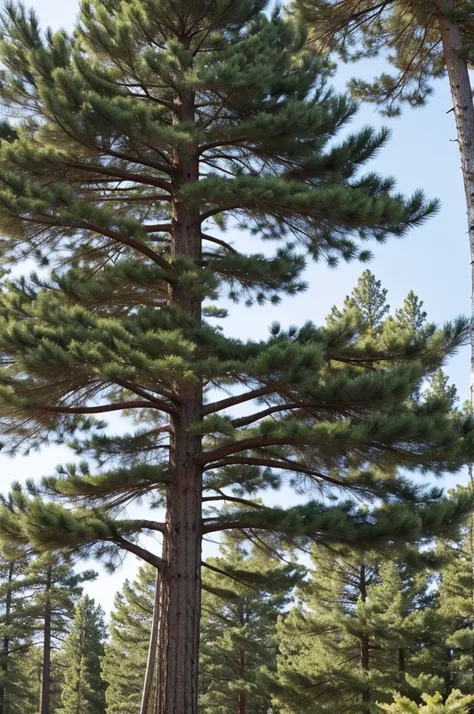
(227, 575)
(140, 552)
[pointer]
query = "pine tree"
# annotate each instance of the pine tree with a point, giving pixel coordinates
(367, 303)
(456, 612)
(83, 691)
(422, 41)
(358, 632)
(456, 703)
(17, 692)
(53, 590)
(245, 592)
(124, 662)
(135, 142)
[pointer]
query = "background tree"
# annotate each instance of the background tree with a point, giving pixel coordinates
(53, 590)
(124, 663)
(83, 691)
(456, 703)
(245, 591)
(134, 141)
(422, 42)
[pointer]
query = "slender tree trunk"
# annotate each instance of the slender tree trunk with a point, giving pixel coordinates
(46, 670)
(180, 588)
(152, 651)
(242, 706)
(6, 639)
(461, 92)
(364, 644)
(401, 661)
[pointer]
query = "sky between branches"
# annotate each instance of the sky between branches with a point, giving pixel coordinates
(432, 260)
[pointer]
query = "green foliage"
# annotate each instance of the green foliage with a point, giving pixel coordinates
(244, 593)
(356, 632)
(124, 662)
(404, 32)
(83, 691)
(456, 703)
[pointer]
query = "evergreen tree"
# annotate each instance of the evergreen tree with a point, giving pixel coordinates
(456, 703)
(367, 303)
(456, 612)
(124, 662)
(15, 633)
(135, 141)
(422, 41)
(53, 590)
(357, 632)
(83, 691)
(245, 592)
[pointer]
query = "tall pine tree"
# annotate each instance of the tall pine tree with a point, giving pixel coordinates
(135, 142)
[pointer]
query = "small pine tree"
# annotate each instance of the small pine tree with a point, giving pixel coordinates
(367, 304)
(245, 591)
(125, 658)
(83, 691)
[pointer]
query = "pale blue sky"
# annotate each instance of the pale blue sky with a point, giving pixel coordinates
(433, 260)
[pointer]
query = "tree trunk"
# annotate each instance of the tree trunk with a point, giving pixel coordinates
(6, 639)
(242, 706)
(401, 660)
(46, 673)
(364, 644)
(152, 651)
(461, 93)
(180, 588)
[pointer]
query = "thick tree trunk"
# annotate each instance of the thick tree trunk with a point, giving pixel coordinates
(180, 588)
(6, 639)
(46, 669)
(152, 651)
(461, 93)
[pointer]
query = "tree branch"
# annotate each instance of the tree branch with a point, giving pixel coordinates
(238, 399)
(274, 464)
(140, 552)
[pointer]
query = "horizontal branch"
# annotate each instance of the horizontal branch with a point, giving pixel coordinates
(232, 499)
(158, 228)
(151, 525)
(274, 464)
(231, 525)
(238, 399)
(251, 418)
(104, 408)
(113, 172)
(256, 443)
